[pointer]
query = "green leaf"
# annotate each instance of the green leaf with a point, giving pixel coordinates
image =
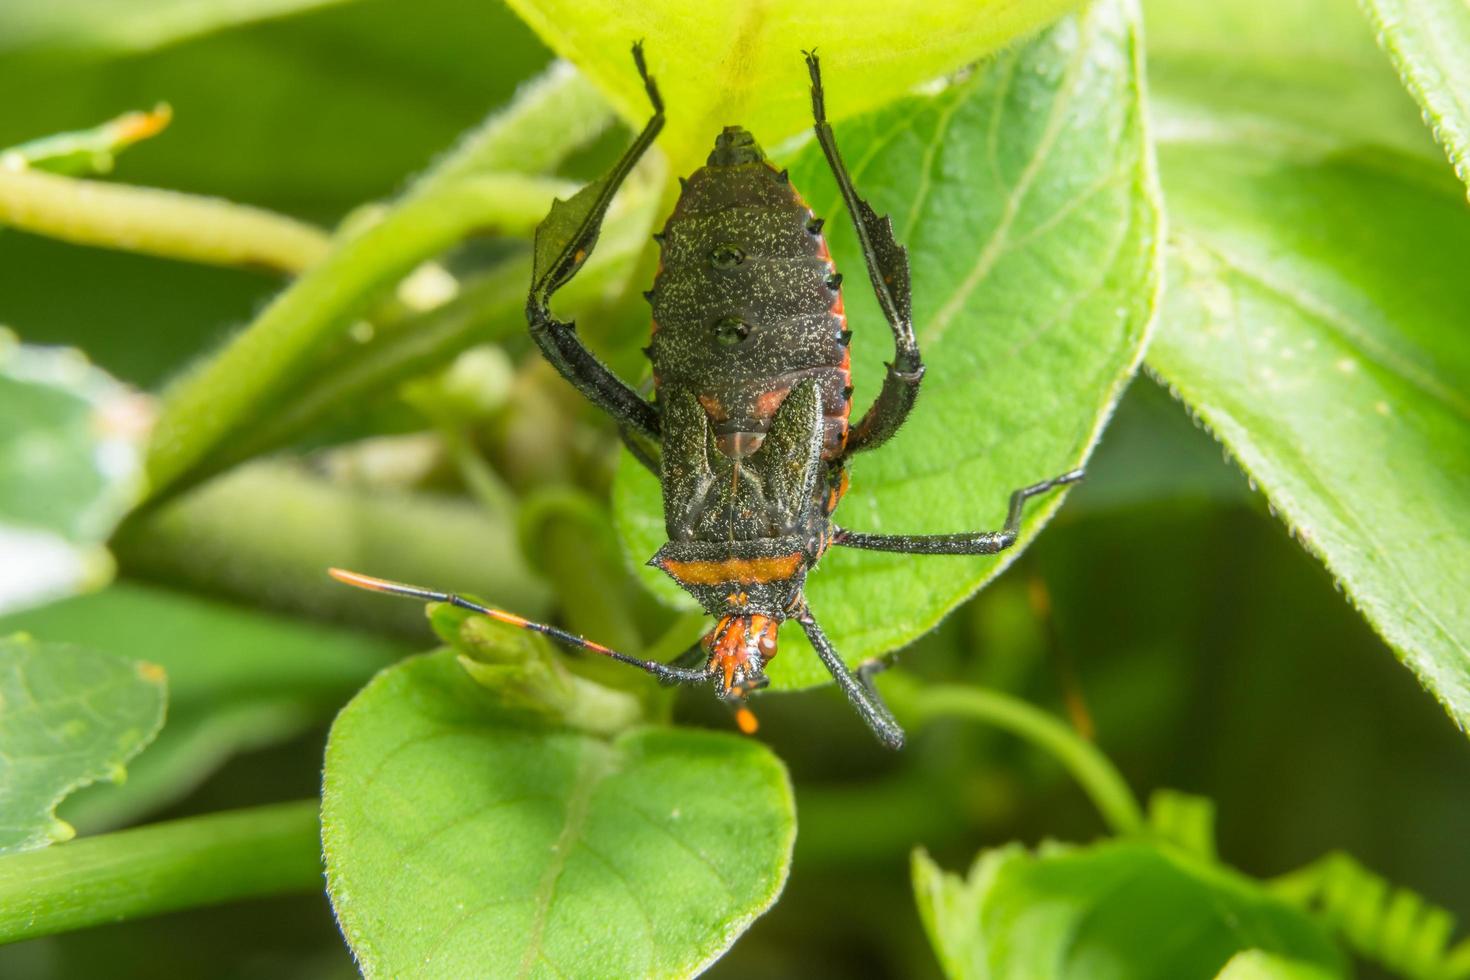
(461, 839)
(718, 64)
(238, 679)
(68, 717)
(1026, 198)
(70, 468)
(1125, 909)
(1323, 350)
(1429, 42)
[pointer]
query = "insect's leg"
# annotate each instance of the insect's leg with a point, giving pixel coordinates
(664, 672)
(968, 543)
(645, 450)
(862, 694)
(888, 268)
(563, 242)
(690, 659)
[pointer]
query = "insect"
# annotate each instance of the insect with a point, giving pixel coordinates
(749, 430)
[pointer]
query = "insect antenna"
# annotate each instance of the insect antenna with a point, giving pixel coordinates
(664, 672)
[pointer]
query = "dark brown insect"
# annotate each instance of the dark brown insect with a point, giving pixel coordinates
(749, 431)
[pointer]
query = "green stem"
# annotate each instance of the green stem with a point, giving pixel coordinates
(1098, 777)
(206, 408)
(268, 850)
(156, 222)
(480, 187)
(268, 532)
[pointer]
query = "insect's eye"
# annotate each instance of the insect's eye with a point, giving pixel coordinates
(731, 330)
(727, 256)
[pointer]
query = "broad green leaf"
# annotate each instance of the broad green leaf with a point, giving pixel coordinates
(461, 838)
(1276, 71)
(1124, 909)
(238, 679)
(1312, 322)
(1026, 198)
(725, 64)
(69, 716)
(70, 468)
(1429, 42)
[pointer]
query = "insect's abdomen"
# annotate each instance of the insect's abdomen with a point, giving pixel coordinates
(746, 304)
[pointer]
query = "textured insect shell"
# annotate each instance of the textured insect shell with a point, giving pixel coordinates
(745, 305)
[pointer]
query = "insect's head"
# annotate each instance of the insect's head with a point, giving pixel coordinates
(739, 648)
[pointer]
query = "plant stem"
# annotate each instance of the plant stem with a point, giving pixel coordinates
(479, 187)
(1087, 764)
(207, 407)
(268, 850)
(156, 222)
(268, 532)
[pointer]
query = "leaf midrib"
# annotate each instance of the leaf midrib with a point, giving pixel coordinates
(597, 761)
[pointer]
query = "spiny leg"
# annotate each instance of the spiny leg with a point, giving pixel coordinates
(564, 240)
(968, 543)
(648, 452)
(860, 692)
(888, 269)
(664, 672)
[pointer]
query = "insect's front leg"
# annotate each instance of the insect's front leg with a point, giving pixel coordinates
(967, 543)
(888, 269)
(860, 691)
(563, 242)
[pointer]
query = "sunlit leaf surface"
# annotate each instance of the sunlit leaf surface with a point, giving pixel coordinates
(735, 63)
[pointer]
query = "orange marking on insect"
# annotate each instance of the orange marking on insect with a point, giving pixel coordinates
(362, 581)
(745, 719)
(737, 598)
(713, 408)
(746, 571)
(767, 402)
(514, 620)
(838, 310)
(580, 256)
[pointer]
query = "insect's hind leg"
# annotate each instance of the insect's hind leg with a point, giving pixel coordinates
(859, 689)
(966, 543)
(564, 240)
(888, 269)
